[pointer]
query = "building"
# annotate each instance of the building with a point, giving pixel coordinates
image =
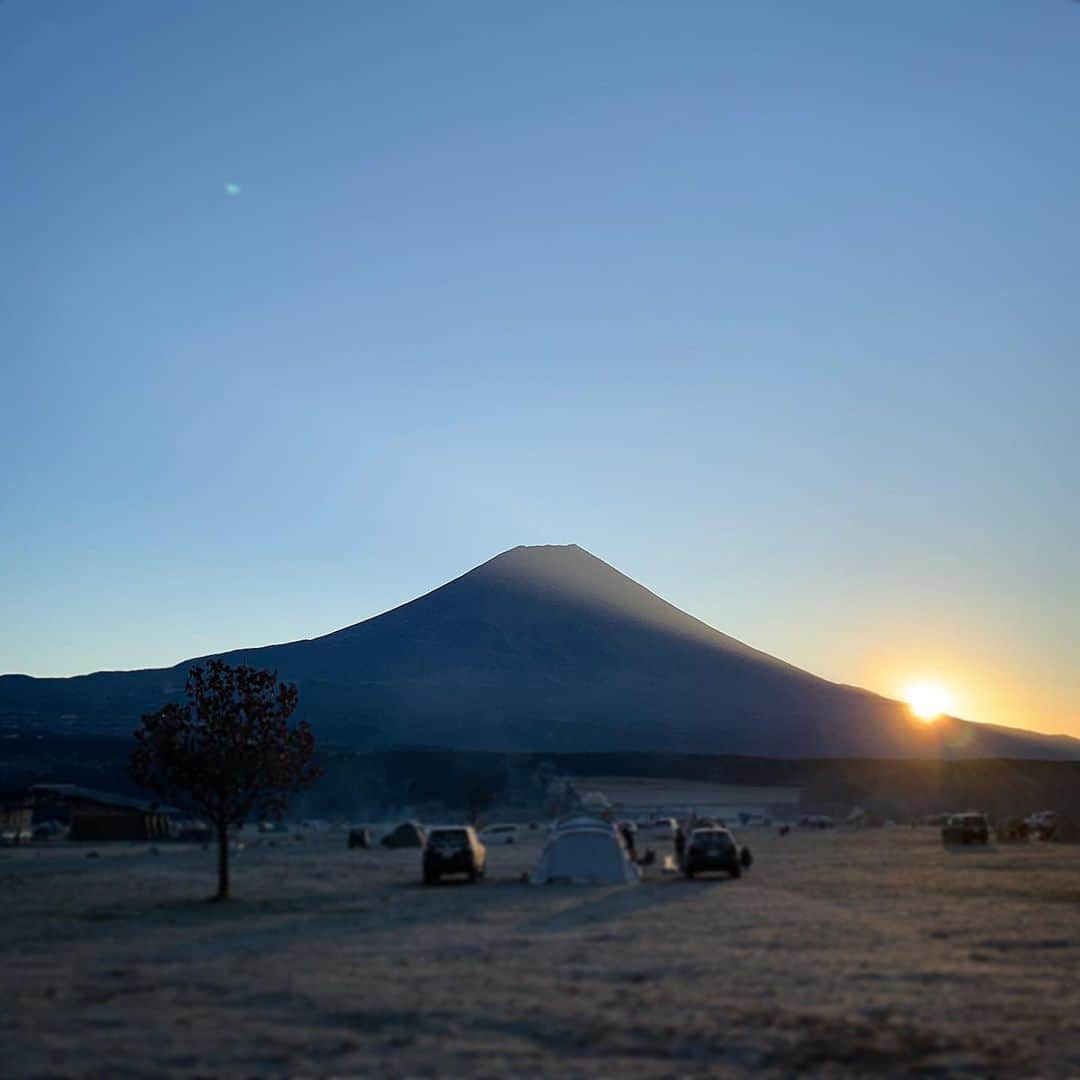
(645, 799)
(99, 816)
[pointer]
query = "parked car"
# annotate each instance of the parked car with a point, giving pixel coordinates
(665, 826)
(48, 830)
(453, 849)
(714, 848)
(1043, 824)
(499, 834)
(192, 832)
(967, 828)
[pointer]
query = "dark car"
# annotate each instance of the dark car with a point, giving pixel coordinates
(453, 849)
(969, 828)
(714, 848)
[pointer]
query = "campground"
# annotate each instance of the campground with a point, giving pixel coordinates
(875, 951)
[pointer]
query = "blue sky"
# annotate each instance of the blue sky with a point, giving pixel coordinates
(772, 305)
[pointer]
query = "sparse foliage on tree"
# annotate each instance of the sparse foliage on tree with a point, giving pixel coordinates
(228, 752)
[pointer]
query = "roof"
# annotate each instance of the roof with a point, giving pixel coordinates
(105, 798)
(582, 820)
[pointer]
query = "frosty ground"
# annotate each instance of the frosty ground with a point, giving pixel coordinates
(839, 953)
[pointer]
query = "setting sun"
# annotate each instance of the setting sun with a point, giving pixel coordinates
(928, 701)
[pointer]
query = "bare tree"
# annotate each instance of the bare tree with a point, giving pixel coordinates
(228, 752)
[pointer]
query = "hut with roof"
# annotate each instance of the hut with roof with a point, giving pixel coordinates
(100, 816)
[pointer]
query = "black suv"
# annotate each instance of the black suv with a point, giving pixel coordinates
(453, 849)
(713, 848)
(969, 828)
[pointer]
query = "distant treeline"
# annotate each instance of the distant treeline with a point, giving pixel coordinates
(360, 784)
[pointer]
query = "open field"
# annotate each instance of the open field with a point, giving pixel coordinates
(839, 953)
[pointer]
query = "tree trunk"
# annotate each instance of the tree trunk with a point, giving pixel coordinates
(223, 862)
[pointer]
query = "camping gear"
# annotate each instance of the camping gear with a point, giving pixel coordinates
(585, 848)
(1065, 831)
(1013, 831)
(407, 834)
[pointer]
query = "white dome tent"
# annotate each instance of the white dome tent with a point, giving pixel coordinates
(587, 849)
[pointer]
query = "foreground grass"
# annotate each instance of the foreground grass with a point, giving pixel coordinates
(845, 953)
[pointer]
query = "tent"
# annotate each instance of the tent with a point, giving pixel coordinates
(583, 848)
(359, 837)
(407, 834)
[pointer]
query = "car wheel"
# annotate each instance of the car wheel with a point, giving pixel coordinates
(689, 874)
(431, 879)
(736, 870)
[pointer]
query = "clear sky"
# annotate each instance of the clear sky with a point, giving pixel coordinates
(306, 308)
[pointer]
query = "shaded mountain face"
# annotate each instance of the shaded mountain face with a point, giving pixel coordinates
(545, 649)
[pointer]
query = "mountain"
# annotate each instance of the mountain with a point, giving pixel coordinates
(545, 649)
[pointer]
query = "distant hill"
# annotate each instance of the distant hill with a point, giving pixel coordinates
(545, 649)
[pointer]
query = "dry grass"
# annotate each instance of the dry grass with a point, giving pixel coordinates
(838, 954)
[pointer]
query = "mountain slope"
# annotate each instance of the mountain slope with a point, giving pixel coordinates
(546, 648)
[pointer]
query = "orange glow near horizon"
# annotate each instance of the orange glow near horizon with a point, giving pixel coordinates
(983, 683)
(928, 701)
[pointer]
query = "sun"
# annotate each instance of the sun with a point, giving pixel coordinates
(928, 701)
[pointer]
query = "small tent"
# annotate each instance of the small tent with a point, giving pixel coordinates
(407, 834)
(583, 848)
